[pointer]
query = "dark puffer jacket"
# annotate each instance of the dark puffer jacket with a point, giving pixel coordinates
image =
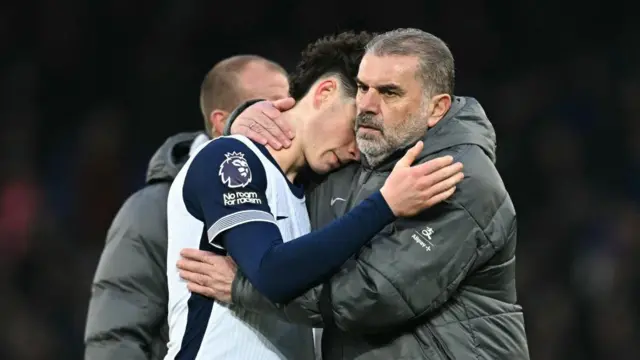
(127, 316)
(440, 285)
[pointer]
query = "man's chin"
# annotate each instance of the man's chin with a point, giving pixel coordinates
(369, 145)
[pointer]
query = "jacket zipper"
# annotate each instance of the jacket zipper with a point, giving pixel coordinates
(441, 348)
(362, 179)
(330, 330)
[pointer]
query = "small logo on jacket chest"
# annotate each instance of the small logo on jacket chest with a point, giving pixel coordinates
(423, 238)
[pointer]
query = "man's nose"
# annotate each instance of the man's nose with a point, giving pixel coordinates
(369, 102)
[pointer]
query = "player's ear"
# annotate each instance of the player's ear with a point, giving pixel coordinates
(218, 119)
(324, 90)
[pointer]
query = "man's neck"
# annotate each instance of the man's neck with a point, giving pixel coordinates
(290, 160)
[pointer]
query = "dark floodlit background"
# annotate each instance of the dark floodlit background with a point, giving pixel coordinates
(89, 89)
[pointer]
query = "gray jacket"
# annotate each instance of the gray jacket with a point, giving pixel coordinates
(127, 316)
(440, 285)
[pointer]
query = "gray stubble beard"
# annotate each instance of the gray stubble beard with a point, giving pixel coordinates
(377, 149)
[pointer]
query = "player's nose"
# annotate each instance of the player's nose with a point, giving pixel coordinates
(354, 152)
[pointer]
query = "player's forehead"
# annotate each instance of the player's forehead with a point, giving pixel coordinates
(347, 107)
(388, 69)
(341, 113)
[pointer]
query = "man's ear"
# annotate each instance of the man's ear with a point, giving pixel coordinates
(438, 108)
(323, 91)
(217, 120)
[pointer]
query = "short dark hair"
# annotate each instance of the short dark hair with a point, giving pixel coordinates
(337, 54)
(219, 88)
(437, 70)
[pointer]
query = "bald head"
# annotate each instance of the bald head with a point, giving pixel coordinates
(235, 80)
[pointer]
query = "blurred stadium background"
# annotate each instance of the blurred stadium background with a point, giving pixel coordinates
(91, 88)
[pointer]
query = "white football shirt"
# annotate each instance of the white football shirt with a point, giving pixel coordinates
(247, 185)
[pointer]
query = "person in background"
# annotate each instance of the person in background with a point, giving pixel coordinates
(128, 307)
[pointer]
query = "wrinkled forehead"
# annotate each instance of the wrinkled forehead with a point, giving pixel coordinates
(389, 69)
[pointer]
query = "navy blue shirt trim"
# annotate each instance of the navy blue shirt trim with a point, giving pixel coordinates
(226, 187)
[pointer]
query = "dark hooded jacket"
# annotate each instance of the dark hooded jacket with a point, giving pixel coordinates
(440, 285)
(127, 316)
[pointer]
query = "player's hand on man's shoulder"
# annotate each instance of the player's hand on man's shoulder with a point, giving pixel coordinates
(410, 189)
(261, 122)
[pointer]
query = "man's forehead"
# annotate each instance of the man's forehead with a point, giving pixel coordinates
(387, 69)
(263, 82)
(256, 72)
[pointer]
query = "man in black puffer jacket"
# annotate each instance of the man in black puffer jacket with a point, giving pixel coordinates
(128, 307)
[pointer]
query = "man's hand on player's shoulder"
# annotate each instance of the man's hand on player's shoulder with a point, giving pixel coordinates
(207, 274)
(261, 122)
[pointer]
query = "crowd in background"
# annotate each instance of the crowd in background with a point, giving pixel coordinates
(90, 89)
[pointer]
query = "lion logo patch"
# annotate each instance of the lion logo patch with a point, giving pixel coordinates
(234, 171)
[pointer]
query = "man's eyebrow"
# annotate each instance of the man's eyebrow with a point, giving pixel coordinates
(390, 87)
(384, 87)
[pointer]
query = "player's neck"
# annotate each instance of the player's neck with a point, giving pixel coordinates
(290, 160)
